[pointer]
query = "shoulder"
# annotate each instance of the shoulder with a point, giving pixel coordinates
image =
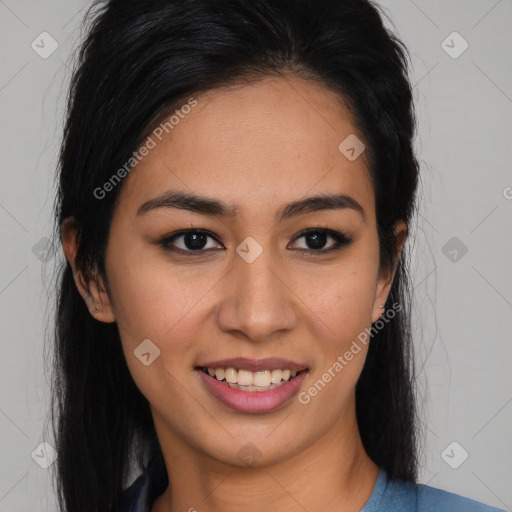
(141, 494)
(402, 496)
(133, 499)
(431, 499)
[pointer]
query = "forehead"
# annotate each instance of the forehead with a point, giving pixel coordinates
(255, 146)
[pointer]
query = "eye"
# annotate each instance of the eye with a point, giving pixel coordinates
(188, 241)
(191, 241)
(317, 238)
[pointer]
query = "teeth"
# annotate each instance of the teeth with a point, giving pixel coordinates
(261, 379)
(276, 376)
(244, 378)
(230, 375)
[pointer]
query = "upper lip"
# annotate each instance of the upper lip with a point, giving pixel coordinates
(255, 365)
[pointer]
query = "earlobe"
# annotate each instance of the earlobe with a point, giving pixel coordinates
(384, 288)
(98, 301)
(92, 289)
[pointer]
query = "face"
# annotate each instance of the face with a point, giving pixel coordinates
(242, 280)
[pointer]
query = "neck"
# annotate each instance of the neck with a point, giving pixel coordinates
(334, 473)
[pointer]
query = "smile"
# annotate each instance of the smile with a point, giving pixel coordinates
(260, 391)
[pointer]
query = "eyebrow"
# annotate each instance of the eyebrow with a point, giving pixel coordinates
(207, 206)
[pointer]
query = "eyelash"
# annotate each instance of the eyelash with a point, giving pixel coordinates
(341, 240)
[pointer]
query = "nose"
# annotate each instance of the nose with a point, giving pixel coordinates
(257, 302)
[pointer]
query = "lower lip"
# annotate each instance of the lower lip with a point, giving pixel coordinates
(252, 401)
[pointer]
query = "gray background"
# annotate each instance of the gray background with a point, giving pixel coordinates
(463, 300)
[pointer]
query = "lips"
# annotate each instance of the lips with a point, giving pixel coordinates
(253, 398)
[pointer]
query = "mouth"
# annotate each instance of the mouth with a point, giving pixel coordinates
(267, 387)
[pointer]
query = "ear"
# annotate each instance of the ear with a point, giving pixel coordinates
(92, 290)
(386, 278)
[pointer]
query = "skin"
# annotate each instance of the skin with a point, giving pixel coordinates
(258, 147)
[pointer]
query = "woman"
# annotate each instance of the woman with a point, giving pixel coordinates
(237, 183)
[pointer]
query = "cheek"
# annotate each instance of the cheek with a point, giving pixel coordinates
(342, 312)
(164, 303)
(151, 304)
(342, 303)
(149, 295)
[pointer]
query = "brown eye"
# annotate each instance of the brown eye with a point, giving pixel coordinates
(191, 240)
(316, 240)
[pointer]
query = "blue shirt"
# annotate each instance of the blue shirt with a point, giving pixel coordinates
(387, 495)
